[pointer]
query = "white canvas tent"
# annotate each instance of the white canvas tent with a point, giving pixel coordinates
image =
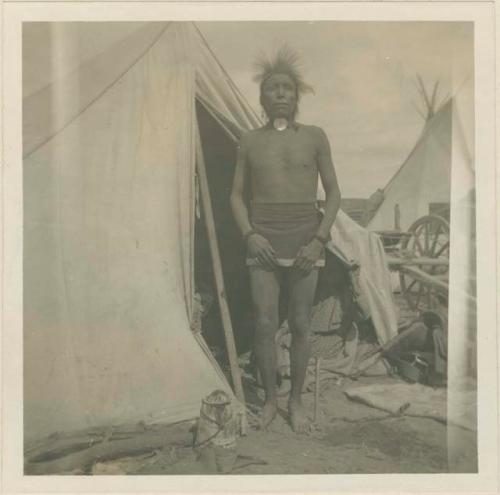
(109, 146)
(109, 161)
(424, 178)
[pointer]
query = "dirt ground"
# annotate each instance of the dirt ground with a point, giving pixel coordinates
(348, 437)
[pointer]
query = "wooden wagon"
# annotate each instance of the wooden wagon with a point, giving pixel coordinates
(421, 256)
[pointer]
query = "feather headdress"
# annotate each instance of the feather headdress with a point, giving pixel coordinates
(285, 61)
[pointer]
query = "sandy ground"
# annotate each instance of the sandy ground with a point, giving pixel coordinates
(348, 438)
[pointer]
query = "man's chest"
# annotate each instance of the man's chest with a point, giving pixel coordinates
(282, 152)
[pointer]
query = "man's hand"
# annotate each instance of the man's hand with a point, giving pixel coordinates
(308, 255)
(260, 249)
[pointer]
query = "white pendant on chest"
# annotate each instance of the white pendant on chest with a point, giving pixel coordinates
(280, 124)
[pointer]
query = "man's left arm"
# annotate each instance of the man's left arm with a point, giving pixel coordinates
(309, 254)
(330, 185)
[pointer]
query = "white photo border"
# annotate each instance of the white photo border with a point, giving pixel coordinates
(483, 16)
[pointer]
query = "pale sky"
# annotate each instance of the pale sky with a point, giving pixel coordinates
(364, 76)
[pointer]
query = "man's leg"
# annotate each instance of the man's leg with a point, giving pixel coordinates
(265, 295)
(302, 289)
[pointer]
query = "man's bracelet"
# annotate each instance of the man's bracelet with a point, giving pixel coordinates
(248, 234)
(323, 240)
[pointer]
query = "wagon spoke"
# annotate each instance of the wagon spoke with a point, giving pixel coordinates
(426, 238)
(417, 243)
(436, 237)
(443, 247)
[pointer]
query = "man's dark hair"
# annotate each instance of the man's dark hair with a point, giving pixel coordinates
(286, 61)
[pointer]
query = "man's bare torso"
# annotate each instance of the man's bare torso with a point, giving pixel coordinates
(283, 164)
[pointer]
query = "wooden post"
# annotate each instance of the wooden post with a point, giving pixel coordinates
(397, 218)
(217, 266)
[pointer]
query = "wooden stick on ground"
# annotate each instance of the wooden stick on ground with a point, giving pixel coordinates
(55, 460)
(316, 389)
(219, 279)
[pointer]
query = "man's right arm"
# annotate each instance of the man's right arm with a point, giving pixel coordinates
(240, 210)
(258, 246)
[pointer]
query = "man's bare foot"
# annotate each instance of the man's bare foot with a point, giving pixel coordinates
(298, 417)
(269, 412)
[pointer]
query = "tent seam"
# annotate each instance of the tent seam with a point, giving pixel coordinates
(99, 95)
(243, 101)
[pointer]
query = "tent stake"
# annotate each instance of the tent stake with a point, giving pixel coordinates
(219, 279)
(316, 389)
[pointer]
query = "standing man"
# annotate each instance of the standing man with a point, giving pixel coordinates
(282, 229)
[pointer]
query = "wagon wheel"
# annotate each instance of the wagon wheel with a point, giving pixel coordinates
(429, 239)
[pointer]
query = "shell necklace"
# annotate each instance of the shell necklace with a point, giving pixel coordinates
(280, 124)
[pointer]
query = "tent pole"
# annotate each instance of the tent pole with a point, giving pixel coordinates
(217, 266)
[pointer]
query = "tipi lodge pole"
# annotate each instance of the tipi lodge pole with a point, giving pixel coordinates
(217, 267)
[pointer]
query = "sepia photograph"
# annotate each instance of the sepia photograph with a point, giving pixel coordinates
(240, 264)
(249, 248)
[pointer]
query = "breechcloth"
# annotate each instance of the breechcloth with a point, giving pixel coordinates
(287, 227)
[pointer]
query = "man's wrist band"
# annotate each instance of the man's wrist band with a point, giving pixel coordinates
(248, 234)
(323, 240)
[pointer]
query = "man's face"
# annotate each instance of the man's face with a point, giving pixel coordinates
(279, 96)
